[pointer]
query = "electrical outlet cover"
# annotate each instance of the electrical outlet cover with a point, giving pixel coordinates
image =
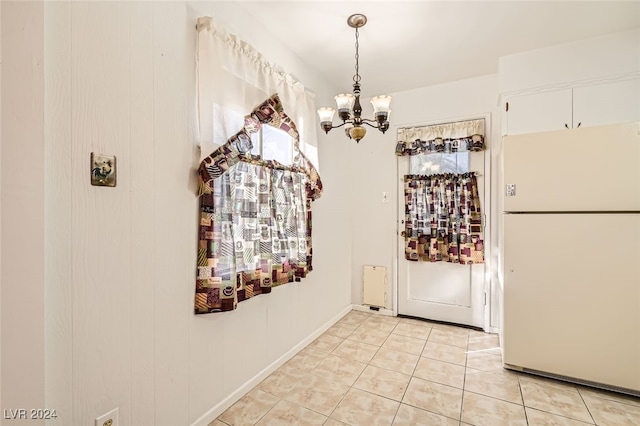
(109, 419)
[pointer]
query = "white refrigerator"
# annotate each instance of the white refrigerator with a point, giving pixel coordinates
(571, 255)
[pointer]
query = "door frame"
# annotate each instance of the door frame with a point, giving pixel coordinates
(488, 255)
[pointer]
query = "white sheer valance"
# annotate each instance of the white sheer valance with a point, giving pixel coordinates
(233, 78)
(447, 137)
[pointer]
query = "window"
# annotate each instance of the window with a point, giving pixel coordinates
(310, 151)
(429, 164)
(269, 143)
(273, 144)
(255, 217)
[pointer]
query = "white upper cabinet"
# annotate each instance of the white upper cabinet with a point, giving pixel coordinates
(585, 106)
(609, 103)
(583, 83)
(539, 112)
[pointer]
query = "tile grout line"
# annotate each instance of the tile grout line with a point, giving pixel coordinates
(464, 379)
(524, 407)
(586, 405)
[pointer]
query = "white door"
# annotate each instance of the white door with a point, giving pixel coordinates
(442, 291)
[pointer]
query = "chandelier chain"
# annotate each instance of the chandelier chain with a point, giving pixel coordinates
(356, 78)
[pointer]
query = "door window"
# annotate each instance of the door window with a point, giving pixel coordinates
(435, 163)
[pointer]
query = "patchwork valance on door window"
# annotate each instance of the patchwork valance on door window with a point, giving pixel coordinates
(255, 216)
(449, 137)
(443, 221)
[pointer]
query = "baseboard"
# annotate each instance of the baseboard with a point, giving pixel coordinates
(218, 409)
(378, 311)
(574, 380)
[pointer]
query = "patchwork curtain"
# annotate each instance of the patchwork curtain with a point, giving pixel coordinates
(448, 137)
(443, 221)
(255, 217)
(258, 222)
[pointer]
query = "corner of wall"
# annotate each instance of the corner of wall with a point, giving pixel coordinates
(0, 199)
(22, 202)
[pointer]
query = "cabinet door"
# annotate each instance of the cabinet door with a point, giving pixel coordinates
(608, 103)
(539, 112)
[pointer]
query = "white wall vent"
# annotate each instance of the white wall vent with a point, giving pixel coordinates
(375, 286)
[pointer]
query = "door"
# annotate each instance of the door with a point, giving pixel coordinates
(442, 291)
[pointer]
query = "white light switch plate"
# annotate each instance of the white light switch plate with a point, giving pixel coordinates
(385, 197)
(109, 419)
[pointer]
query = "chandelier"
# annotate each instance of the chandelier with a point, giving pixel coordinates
(349, 108)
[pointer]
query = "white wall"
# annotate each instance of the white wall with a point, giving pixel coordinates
(374, 169)
(117, 301)
(609, 56)
(23, 210)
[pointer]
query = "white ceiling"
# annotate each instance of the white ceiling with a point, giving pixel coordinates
(410, 44)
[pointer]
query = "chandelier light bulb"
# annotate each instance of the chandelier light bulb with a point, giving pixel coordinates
(381, 104)
(326, 114)
(345, 102)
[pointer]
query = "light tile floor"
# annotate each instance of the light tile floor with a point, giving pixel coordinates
(370, 369)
